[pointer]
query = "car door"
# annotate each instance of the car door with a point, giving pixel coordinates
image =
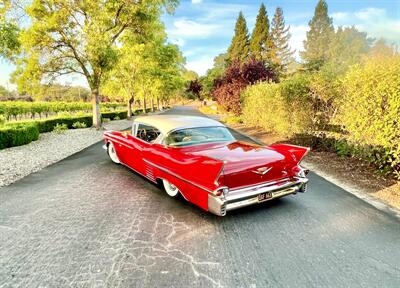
(139, 144)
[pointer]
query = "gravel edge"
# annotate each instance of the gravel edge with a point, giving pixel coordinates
(18, 162)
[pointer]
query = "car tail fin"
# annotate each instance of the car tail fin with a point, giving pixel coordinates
(297, 153)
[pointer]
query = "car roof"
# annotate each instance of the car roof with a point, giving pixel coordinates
(167, 123)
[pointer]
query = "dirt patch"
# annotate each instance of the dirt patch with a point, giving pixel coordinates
(351, 172)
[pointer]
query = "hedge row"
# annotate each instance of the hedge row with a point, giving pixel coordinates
(24, 132)
(19, 108)
(18, 134)
(362, 107)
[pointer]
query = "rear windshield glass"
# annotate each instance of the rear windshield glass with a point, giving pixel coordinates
(196, 136)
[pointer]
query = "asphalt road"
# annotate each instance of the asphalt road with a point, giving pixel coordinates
(86, 222)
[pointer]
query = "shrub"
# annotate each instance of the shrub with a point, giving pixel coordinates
(112, 115)
(2, 120)
(232, 120)
(47, 125)
(117, 118)
(78, 125)
(60, 128)
(283, 108)
(370, 110)
(237, 76)
(20, 108)
(18, 134)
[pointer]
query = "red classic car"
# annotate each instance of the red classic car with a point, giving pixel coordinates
(199, 158)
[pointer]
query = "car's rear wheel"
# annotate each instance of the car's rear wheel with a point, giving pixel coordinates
(171, 189)
(112, 153)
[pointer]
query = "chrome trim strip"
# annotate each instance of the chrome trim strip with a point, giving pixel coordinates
(249, 192)
(252, 186)
(254, 200)
(246, 197)
(139, 173)
(176, 175)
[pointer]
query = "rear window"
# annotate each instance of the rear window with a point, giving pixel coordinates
(200, 135)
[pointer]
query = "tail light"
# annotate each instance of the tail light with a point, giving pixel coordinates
(220, 191)
(300, 171)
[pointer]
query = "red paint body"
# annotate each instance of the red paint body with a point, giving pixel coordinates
(201, 169)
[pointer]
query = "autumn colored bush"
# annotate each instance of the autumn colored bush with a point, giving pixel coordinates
(237, 77)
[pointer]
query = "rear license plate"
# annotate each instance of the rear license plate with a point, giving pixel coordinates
(264, 196)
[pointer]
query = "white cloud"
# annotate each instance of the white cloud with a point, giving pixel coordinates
(192, 29)
(370, 13)
(337, 16)
(200, 65)
(374, 21)
(197, 1)
(298, 35)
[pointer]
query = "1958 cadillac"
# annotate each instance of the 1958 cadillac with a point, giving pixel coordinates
(199, 158)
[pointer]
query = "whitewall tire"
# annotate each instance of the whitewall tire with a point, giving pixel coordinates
(112, 153)
(171, 189)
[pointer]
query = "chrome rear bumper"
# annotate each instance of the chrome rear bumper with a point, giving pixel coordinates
(242, 197)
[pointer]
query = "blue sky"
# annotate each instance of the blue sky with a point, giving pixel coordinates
(204, 28)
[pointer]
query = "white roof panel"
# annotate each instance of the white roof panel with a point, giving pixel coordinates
(166, 123)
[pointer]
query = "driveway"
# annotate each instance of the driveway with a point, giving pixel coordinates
(86, 222)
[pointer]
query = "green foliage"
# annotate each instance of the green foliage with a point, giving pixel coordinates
(280, 55)
(347, 47)
(2, 120)
(279, 108)
(79, 125)
(318, 38)
(115, 115)
(260, 39)
(9, 42)
(31, 109)
(47, 125)
(232, 119)
(370, 110)
(207, 81)
(18, 134)
(239, 48)
(60, 128)
(69, 37)
(210, 110)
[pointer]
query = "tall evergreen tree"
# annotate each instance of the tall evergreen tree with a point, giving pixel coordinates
(239, 49)
(280, 52)
(260, 38)
(318, 37)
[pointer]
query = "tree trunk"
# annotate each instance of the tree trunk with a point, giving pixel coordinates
(96, 108)
(158, 104)
(144, 105)
(152, 104)
(130, 102)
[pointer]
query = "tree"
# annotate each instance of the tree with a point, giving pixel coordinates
(239, 48)
(207, 81)
(9, 32)
(68, 37)
(318, 38)
(194, 88)
(260, 38)
(280, 53)
(147, 70)
(237, 76)
(347, 47)
(380, 48)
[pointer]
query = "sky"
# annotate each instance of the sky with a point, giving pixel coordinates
(204, 28)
